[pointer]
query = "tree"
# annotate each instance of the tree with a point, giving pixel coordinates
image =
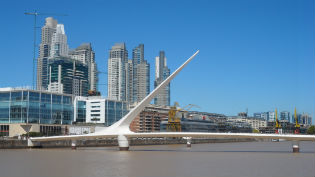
(311, 130)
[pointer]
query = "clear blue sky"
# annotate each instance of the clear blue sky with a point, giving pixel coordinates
(253, 54)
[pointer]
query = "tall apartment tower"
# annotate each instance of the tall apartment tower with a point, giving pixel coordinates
(161, 73)
(116, 87)
(59, 44)
(44, 51)
(67, 75)
(141, 74)
(129, 81)
(85, 54)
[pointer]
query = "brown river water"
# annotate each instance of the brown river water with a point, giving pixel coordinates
(246, 159)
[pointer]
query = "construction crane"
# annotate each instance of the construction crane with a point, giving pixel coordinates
(297, 125)
(35, 14)
(174, 123)
(278, 125)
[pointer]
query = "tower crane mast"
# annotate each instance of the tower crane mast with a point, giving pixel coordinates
(297, 125)
(35, 14)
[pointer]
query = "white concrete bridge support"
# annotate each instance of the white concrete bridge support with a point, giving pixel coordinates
(123, 143)
(32, 144)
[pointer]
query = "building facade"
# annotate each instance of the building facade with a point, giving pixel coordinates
(256, 123)
(161, 73)
(141, 74)
(44, 51)
(116, 87)
(271, 116)
(39, 107)
(68, 76)
(285, 115)
(85, 54)
(59, 45)
(262, 115)
(98, 110)
(149, 119)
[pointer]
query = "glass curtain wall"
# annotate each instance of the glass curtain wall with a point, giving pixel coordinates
(35, 107)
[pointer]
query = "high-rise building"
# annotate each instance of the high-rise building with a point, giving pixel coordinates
(285, 115)
(69, 76)
(141, 74)
(44, 51)
(129, 81)
(116, 87)
(303, 119)
(161, 73)
(59, 45)
(271, 116)
(85, 54)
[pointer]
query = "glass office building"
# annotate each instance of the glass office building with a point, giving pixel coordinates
(114, 111)
(99, 110)
(71, 74)
(30, 106)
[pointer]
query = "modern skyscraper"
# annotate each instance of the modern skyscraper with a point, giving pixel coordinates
(69, 76)
(161, 73)
(85, 54)
(116, 87)
(59, 45)
(141, 74)
(44, 51)
(129, 81)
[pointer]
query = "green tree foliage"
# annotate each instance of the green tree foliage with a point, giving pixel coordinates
(311, 130)
(33, 134)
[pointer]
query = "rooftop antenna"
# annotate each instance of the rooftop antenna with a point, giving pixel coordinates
(35, 14)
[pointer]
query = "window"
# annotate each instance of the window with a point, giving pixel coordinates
(95, 115)
(4, 96)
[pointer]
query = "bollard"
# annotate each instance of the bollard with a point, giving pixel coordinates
(189, 142)
(73, 145)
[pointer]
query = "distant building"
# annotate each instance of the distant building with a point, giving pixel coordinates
(31, 106)
(255, 123)
(141, 74)
(149, 119)
(262, 115)
(44, 51)
(271, 116)
(68, 76)
(118, 57)
(59, 45)
(242, 114)
(304, 119)
(285, 115)
(129, 81)
(209, 125)
(99, 110)
(85, 54)
(161, 73)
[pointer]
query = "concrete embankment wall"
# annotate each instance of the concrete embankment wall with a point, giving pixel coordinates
(16, 144)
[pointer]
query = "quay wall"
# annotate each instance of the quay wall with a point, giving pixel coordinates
(18, 144)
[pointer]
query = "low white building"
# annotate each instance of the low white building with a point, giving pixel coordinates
(255, 123)
(99, 110)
